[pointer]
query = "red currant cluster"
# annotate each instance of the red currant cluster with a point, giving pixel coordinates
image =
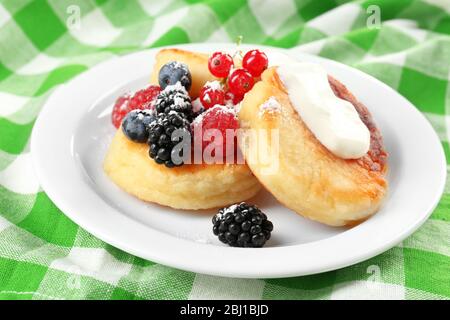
(237, 80)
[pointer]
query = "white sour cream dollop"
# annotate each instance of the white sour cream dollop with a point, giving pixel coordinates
(333, 121)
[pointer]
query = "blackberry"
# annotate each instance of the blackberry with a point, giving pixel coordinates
(242, 225)
(169, 137)
(175, 98)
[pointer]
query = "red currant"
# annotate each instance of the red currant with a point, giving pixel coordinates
(212, 94)
(240, 82)
(222, 119)
(255, 62)
(142, 99)
(220, 64)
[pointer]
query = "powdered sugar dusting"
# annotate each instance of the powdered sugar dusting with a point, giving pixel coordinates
(147, 112)
(230, 209)
(197, 105)
(214, 85)
(177, 93)
(141, 113)
(270, 106)
(237, 107)
(124, 105)
(175, 87)
(125, 101)
(180, 101)
(207, 98)
(229, 103)
(179, 65)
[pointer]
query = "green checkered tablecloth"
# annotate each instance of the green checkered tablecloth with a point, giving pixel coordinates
(44, 255)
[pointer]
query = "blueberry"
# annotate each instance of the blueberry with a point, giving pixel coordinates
(135, 125)
(172, 72)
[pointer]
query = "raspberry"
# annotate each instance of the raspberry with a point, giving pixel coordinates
(220, 118)
(211, 94)
(142, 99)
(120, 110)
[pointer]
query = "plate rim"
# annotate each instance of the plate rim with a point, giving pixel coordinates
(66, 210)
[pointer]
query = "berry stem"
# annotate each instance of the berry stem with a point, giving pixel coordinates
(223, 82)
(239, 41)
(238, 51)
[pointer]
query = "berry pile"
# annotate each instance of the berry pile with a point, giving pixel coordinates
(237, 77)
(172, 110)
(120, 110)
(160, 118)
(242, 225)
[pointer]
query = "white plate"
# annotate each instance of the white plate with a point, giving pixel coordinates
(73, 130)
